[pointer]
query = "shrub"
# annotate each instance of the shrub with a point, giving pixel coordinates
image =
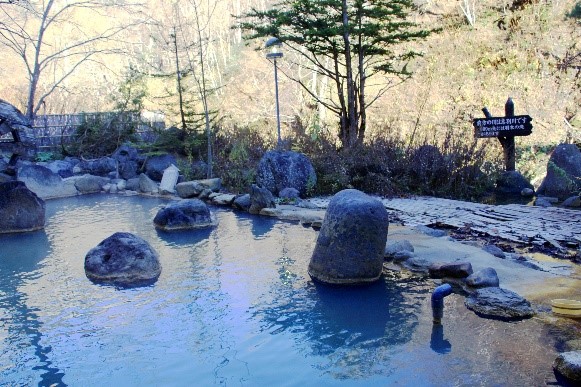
(576, 11)
(45, 156)
(456, 166)
(101, 134)
(237, 152)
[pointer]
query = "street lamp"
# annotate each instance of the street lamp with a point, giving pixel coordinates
(274, 45)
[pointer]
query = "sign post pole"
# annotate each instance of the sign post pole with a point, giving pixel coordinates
(507, 142)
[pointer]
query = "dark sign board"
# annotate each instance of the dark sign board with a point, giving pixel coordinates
(502, 126)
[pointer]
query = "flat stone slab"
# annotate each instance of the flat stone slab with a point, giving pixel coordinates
(511, 222)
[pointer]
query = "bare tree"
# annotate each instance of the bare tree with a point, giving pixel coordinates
(202, 87)
(52, 42)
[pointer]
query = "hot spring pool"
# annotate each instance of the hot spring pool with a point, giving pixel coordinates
(233, 306)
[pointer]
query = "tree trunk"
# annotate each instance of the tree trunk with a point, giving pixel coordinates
(32, 93)
(179, 80)
(351, 118)
(203, 93)
(35, 73)
(343, 127)
(362, 79)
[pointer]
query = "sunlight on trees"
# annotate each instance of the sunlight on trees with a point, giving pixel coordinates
(54, 38)
(357, 37)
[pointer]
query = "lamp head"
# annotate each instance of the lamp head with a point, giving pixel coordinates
(275, 48)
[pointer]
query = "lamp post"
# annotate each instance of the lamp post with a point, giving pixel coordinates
(274, 45)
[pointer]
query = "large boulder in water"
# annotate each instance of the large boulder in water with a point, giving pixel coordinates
(45, 183)
(123, 259)
(352, 239)
(21, 209)
(184, 214)
(285, 169)
(563, 177)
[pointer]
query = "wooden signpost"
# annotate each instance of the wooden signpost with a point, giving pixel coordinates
(505, 129)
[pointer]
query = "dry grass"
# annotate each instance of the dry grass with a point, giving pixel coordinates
(465, 69)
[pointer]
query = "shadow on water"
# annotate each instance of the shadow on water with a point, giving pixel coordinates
(16, 266)
(335, 318)
(437, 342)
(353, 315)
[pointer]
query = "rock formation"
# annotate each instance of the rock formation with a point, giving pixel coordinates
(351, 243)
(123, 259)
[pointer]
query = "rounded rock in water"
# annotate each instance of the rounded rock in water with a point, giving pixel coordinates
(123, 259)
(183, 215)
(351, 243)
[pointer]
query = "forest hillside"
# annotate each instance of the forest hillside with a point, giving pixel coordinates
(480, 54)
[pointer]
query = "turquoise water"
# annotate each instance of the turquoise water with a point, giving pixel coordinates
(233, 306)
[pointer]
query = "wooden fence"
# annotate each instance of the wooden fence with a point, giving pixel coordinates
(52, 130)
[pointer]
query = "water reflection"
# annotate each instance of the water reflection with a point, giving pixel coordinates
(23, 327)
(233, 305)
(258, 226)
(338, 320)
(184, 237)
(437, 342)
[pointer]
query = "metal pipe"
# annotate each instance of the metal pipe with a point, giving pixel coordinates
(438, 301)
(278, 142)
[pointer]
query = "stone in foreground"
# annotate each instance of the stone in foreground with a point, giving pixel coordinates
(499, 303)
(450, 269)
(183, 215)
(20, 209)
(351, 243)
(484, 278)
(568, 364)
(123, 259)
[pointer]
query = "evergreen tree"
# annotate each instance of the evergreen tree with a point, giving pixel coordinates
(357, 38)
